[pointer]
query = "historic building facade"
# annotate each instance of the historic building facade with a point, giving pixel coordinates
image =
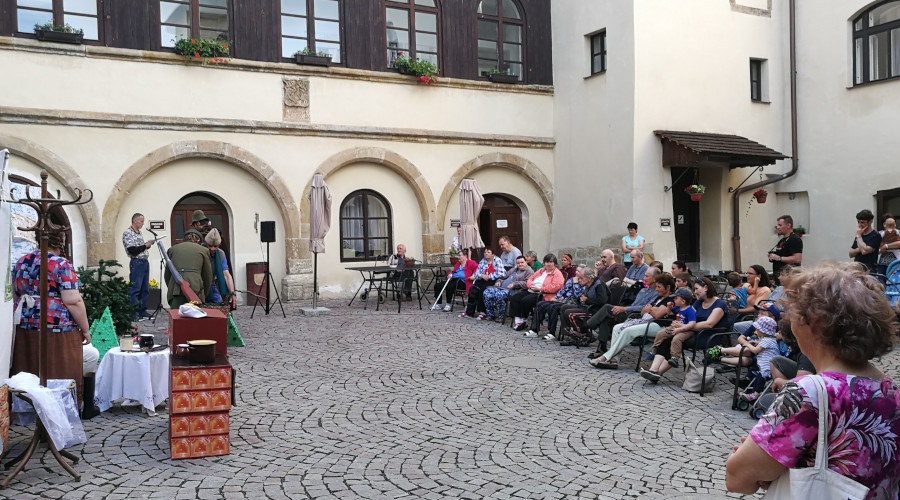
(614, 107)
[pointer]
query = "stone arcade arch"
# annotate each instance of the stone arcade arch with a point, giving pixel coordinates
(517, 164)
(432, 239)
(232, 154)
(67, 176)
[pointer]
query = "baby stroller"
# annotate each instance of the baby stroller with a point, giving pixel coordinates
(751, 396)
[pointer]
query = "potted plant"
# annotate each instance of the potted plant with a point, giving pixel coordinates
(155, 297)
(48, 32)
(760, 195)
(205, 50)
(424, 71)
(800, 231)
(504, 76)
(696, 191)
(310, 58)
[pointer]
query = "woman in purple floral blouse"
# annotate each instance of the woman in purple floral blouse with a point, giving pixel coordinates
(841, 320)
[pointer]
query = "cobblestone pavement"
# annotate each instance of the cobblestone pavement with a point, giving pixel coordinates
(365, 404)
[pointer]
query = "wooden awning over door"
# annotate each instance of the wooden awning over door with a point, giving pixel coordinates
(684, 149)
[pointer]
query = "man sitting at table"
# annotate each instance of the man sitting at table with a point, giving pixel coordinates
(399, 260)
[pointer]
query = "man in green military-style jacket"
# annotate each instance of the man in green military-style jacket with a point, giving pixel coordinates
(192, 261)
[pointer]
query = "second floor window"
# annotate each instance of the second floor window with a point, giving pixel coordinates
(876, 43)
(412, 26)
(312, 24)
(501, 38)
(598, 53)
(79, 14)
(193, 19)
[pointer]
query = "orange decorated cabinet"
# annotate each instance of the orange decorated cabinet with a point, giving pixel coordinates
(199, 406)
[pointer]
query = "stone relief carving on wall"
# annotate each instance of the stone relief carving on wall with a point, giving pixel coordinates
(296, 99)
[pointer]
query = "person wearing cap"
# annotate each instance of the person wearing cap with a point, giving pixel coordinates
(867, 241)
(192, 262)
(769, 309)
(760, 347)
(222, 282)
(139, 267)
(680, 330)
(201, 223)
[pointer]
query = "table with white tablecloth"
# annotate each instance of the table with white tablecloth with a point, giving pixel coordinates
(139, 376)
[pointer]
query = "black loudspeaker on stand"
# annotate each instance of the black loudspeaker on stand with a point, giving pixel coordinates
(267, 236)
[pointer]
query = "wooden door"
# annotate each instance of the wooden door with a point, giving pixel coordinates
(180, 220)
(500, 216)
(687, 216)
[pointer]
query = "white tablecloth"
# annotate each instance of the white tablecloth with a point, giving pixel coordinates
(143, 377)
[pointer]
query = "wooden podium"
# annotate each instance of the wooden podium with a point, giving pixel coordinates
(213, 327)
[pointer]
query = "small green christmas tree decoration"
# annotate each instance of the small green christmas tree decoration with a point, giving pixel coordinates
(103, 333)
(234, 336)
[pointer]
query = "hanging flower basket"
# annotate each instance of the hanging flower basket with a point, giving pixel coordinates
(696, 191)
(760, 195)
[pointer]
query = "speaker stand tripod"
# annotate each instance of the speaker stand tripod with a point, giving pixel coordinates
(265, 283)
(159, 306)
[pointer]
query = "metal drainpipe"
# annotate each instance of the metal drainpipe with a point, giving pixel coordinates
(795, 162)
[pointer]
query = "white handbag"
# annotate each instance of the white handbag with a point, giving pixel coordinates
(818, 482)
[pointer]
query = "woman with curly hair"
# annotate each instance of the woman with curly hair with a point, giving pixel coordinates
(841, 320)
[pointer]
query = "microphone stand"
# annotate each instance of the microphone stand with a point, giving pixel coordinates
(162, 260)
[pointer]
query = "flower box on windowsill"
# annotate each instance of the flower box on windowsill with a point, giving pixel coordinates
(59, 36)
(312, 60)
(501, 78)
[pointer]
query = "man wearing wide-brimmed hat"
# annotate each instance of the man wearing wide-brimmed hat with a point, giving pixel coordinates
(201, 223)
(192, 262)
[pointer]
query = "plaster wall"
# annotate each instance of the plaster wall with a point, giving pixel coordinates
(594, 121)
(848, 135)
(67, 82)
(692, 74)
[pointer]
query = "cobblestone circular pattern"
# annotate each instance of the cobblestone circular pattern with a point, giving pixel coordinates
(421, 404)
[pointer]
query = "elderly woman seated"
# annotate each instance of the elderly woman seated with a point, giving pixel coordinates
(516, 282)
(542, 285)
(549, 309)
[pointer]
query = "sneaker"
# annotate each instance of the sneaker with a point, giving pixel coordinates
(520, 326)
(464, 315)
(143, 318)
(749, 397)
(531, 333)
(489, 318)
(650, 375)
(673, 362)
(549, 337)
(714, 353)
(480, 317)
(447, 308)
(649, 357)
(437, 307)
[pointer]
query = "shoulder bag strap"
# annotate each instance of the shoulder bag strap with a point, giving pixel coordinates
(822, 446)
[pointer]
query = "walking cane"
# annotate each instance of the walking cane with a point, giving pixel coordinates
(441, 294)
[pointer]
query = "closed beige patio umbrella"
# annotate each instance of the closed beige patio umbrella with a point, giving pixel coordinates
(470, 202)
(319, 224)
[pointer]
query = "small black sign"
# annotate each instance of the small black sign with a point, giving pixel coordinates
(158, 225)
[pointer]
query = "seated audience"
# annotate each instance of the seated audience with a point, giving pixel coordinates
(490, 269)
(603, 320)
(623, 334)
(532, 259)
(609, 268)
(542, 285)
(710, 312)
(637, 269)
(495, 296)
(510, 253)
(567, 268)
(842, 321)
(569, 294)
(458, 278)
(595, 296)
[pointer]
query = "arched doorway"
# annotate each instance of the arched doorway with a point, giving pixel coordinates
(180, 220)
(500, 216)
